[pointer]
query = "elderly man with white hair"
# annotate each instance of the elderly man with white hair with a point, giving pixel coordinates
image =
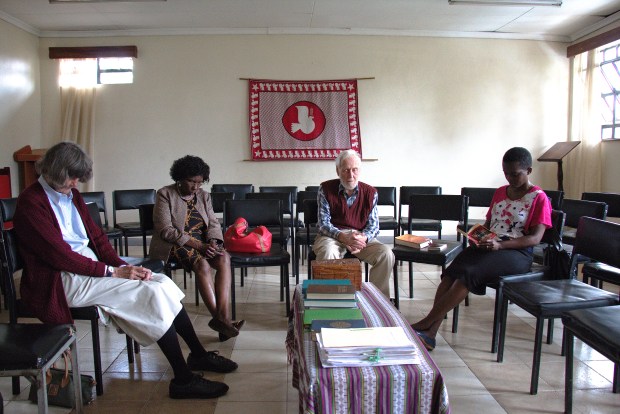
(349, 221)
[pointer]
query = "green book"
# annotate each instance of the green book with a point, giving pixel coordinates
(331, 313)
(336, 282)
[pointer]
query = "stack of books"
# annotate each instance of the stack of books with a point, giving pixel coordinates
(420, 243)
(330, 303)
(358, 347)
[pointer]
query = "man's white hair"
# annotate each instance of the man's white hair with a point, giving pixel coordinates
(346, 154)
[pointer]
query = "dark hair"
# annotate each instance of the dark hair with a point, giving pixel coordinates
(189, 166)
(63, 161)
(520, 155)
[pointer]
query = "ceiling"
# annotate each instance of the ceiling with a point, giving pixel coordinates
(573, 20)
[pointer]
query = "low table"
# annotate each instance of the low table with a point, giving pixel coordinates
(381, 389)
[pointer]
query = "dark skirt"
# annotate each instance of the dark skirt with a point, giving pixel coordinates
(475, 267)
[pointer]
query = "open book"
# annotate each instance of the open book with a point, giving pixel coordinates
(478, 234)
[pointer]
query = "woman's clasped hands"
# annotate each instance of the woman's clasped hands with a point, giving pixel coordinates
(133, 273)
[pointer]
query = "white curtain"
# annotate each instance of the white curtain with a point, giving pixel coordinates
(582, 167)
(77, 106)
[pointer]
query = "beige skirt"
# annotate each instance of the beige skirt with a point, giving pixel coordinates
(144, 310)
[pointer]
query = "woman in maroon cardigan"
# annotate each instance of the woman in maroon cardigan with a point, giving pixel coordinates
(68, 262)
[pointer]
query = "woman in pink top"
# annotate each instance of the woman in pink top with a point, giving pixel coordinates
(519, 214)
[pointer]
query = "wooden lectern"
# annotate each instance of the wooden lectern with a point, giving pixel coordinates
(558, 151)
(25, 158)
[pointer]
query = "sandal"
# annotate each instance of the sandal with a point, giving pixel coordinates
(428, 342)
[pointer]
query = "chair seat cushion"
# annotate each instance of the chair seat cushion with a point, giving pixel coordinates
(31, 346)
(568, 235)
(409, 254)
(388, 223)
(537, 272)
(276, 257)
(549, 298)
(598, 327)
(602, 272)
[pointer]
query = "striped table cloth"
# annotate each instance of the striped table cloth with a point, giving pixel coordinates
(382, 389)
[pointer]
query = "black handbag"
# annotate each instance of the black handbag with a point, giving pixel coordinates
(557, 258)
(59, 384)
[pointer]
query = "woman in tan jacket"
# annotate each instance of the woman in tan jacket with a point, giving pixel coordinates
(187, 231)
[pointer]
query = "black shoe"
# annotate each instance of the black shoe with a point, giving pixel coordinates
(198, 387)
(238, 325)
(211, 361)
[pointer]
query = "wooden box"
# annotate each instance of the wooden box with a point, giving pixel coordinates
(339, 269)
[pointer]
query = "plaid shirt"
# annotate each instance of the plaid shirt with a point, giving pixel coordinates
(327, 229)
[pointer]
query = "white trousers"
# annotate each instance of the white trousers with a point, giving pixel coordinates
(377, 254)
(144, 310)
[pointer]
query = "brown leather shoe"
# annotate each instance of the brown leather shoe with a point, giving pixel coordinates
(237, 325)
(223, 328)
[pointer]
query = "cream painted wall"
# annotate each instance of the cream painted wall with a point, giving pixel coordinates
(439, 111)
(20, 103)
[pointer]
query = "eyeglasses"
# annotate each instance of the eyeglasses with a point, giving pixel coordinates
(199, 183)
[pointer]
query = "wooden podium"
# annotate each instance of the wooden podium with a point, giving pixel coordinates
(558, 151)
(25, 158)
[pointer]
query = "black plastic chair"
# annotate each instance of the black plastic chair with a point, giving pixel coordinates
(259, 212)
(314, 188)
(145, 212)
(286, 203)
(548, 299)
(538, 272)
(114, 234)
(435, 208)
(418, 223)
(29, 350)
(387, 197)
(575, 209)
(598, 328)
(240, 190)
(130, 200)
(478, 197)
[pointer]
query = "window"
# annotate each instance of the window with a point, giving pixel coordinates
(609, 57)
(97, 71)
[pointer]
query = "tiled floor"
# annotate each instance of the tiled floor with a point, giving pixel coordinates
(262, 384)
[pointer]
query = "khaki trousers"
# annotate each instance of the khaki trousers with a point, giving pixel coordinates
(377, 254)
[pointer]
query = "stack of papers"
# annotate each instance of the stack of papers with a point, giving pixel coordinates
(357, 347)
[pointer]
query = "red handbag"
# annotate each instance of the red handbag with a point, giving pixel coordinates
(237, 239)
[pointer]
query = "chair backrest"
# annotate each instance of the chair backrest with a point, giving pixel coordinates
(257, 212)
(558, 218)
(217, 199)
(93, 210)
(575, 209)
(7, 209)
(11, 263)
(99, 198)
(280, 189)
(611, 199)
(438, 207)
(130, 200)
(479, 196)
(146, 217)
(310, 208)
(240, 190)
(407, 191)
(386, 196)
(292, 190)
(285, 198)
(598, 240)
(301, 197)
(314, 188)
(556, 197)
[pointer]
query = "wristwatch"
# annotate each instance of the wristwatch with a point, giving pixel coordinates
(109, 271)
